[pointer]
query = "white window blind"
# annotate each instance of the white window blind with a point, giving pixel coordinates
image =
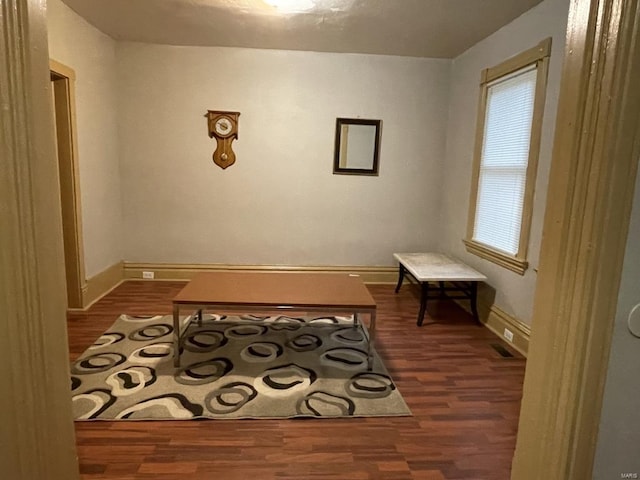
(503, 164)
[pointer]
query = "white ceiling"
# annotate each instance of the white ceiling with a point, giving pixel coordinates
(419, 28)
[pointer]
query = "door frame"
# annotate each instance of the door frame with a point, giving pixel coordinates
(37, 434)
(63, 84)
(591, 188)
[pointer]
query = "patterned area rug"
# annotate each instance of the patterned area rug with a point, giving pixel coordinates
(232, 367)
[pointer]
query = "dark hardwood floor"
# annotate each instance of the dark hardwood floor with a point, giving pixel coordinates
(465, 399)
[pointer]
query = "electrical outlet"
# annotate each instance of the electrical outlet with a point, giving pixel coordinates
(508, 334)
(148, 275)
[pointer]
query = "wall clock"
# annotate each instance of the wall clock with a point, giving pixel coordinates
(224, 127)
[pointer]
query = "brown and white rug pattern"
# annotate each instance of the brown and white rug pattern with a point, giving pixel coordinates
(232, 367)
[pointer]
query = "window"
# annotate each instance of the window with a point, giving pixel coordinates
(506, 156)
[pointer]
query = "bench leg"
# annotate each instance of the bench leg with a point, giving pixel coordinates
(424, 294)
(400, 277)
(474, 302)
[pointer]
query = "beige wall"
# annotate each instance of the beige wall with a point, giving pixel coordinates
(280, 202)
(145, 152)
(618, 435)
(91, 54)
(514, 292)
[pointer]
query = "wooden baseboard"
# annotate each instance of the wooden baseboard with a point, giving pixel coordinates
(102, 283)
(493, 317)
(170, 271)
(496, 320)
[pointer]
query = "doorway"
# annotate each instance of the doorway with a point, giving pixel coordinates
(63, 98)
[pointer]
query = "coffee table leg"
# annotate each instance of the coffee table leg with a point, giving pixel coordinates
(372, 336)
(176, 335)
(400, 277)
(423, 302)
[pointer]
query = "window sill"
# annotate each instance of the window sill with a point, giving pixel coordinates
(514, 264)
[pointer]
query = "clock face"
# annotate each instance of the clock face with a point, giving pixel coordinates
(223, 126)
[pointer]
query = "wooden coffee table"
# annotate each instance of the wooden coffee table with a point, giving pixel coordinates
(274, 291)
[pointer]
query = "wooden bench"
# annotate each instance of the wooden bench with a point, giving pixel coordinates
(460, 279)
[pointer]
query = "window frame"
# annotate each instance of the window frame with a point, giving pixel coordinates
(538, 55)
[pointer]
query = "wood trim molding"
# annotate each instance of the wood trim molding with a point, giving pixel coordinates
(514, 264)
(534, 54)
(498, 320)
(534, 149)
(477, 157)
(102, 283)
(538, 55)
(63, 81)
(62, 70)
(37, 436)
(171, 271)
(592, 179)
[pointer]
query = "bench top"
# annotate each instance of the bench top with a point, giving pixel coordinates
(435, 267)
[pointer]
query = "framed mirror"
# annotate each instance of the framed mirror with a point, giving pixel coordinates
(357, 146)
